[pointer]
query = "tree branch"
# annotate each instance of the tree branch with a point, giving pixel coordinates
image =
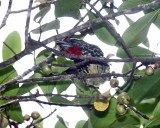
(79, 28)
(13, 81)
(139, 113)
(32, 96)
(72, 76)
(40, 120)
(117, 35)
(130, 78)
(27, 23)
(44, 102)
(6, 15)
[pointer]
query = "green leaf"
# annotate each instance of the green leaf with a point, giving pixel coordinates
(46, 86)
(61, 123)
(156, 111)
(153, 122)
(102, 31)
(40, 15)
(61, 60)
(80, 124)
(7, 74)
(83, 88)
(156, 115)
(129, 4)
(126, 68)
(157, 21)
(13, 45)
(62, 85)
(102, 119)
(60, 100)
(146, 87)
(43, 55)
(138, 31)
(88, 124)
(136, 51)
(26, 87)
(55, 24)
(132, 3)
(146, 106)
(68, 9)
(86, 91)
(40, 124)
(127, 120)
(146, 41)
(130, 22)
(15, 112)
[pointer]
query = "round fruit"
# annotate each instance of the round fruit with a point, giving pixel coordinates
(114, 82)
(35, 115)
(101, 104)
(3, 121)
(123, 98)
(121, 109)
(46, 69)
(149, 71)
(26, 117)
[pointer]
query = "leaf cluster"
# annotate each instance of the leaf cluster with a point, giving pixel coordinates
(144, 93)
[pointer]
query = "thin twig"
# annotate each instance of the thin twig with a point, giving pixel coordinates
(13, 81)
(62, 77)
(40, 120)
(44, 102)
(139, 113)
(135, 69)
(27, 23)
(116, 34)
(72, 76)
(32, 96)
(6, 15)
(79, 28)
(85, 15)
(130, 78)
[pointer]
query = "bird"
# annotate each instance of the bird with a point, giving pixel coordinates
(81, 48)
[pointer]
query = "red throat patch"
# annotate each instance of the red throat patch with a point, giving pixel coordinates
(74, 50)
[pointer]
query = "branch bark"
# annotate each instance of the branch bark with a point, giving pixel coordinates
(79, 28)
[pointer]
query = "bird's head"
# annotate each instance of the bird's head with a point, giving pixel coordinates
(68, 47)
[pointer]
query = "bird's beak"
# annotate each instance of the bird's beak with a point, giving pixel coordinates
(61, 46)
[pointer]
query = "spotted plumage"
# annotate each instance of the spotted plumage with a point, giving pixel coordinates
(82, 48)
